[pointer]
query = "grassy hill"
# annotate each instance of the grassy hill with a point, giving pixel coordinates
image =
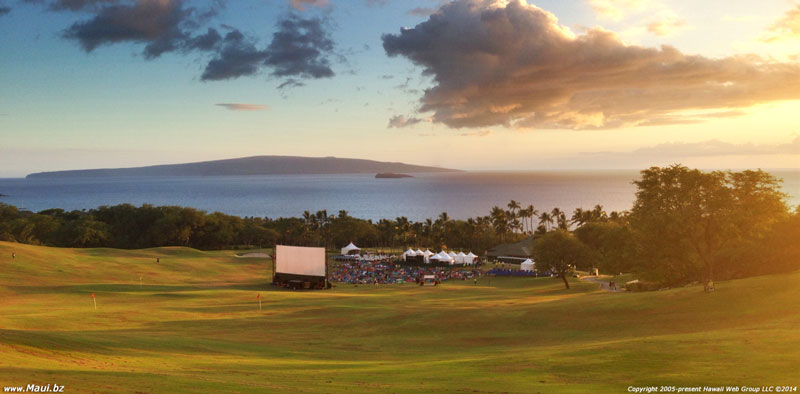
(194, 325)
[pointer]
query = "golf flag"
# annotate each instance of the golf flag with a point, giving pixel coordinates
(259, 301)
(94, 301)
(92, 295)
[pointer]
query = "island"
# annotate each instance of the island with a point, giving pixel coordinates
(391, 175)
(256, 165)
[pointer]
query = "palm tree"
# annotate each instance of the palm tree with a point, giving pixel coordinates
(546, 219)
(513, 215)
(530, 212)
(599, 214)
(560, 217)
(500, 221)
(580, 216)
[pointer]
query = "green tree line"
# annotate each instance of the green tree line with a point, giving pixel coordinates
(686, 225)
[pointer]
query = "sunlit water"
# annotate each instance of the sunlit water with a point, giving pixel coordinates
(461, 195)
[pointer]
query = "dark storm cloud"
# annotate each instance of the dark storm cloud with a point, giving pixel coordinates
(300, 48)
(4, 10)
(512, 64)
(238, 57)
(75, 5)
(158, 23)
(204, 42)
(162, 25)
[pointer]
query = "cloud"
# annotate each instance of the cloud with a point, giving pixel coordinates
(616, 9)
(512, 64)
(666, 26)
(4, 10)
(74, 5)
(479, 133)
(421, 11)
(204, 42)
(708, 148)
(243, 107)
(160, 24)
(300, 5)
(398, 121)
(788, 27)
(237, 57)
(299, 48)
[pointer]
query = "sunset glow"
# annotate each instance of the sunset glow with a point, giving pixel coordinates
(510, 85)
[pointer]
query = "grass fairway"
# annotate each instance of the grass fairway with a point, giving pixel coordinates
(193, 325)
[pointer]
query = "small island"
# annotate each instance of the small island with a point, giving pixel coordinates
(391, 175)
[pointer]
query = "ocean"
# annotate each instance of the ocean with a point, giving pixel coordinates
(461, 195)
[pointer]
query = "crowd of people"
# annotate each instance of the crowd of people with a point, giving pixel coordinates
(387, 271)
(511, 272)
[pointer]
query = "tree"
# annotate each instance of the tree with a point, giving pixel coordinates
(689, 224)
(545, 219)
(528, 213)
(560, 252)
(499, 218)
(611, 243)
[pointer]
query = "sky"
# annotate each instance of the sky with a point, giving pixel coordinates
(468, 84)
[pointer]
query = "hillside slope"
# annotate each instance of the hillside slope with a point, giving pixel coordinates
(194, 325)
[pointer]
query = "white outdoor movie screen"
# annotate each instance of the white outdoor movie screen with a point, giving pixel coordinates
(299, 260)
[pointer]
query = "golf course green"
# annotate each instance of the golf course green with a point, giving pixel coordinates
(191, 323)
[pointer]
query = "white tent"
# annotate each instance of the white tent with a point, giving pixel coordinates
(351, 249)
(442, 257)
(471, 258)
(527, 265)
(419, 252)
(461, 258)
(427, 253)
(409, 252)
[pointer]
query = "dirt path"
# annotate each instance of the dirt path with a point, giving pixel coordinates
(603, 280)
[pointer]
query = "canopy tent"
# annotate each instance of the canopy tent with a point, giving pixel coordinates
(527, 265)
(419, 252)
(351, 249)
(442, 257)
(461, 258)
(409, 252)
(427, 253)
(471, 258)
